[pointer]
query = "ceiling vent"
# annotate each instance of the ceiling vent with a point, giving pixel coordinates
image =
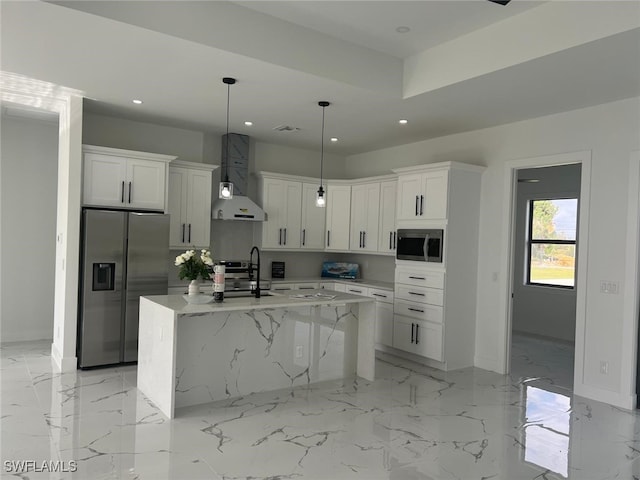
(286, 128)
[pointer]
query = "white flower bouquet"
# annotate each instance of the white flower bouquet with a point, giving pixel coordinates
(193, 266)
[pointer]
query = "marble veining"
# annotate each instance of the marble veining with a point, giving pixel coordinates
(412, 422)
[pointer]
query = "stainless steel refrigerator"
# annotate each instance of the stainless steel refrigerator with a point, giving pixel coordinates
(124, 256)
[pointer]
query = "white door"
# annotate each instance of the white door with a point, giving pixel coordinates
(199, 208)
(104, 180)
(387, 229)
(274, 205)
(338, 217)
(145, 184)
(177, 206)
(293, 215)
(409, 191)
(434, 201)
(313, 219)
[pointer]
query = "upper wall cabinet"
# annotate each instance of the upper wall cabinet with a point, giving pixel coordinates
(338, 217)
(313, 218)
(189, 204)
(124, 179)
(365, 213)
(423, 196)
(282, 203)
(387, 236)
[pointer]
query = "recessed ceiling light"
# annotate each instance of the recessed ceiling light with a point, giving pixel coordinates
(137, 102)
(403, 121)
(248, 124)
(403, 29)
(334, 139)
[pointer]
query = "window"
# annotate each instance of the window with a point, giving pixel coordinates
(552, 242)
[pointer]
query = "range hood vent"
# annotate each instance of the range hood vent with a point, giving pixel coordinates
(236, 166)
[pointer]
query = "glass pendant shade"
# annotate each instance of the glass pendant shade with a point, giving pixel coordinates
(321, 200)
(226, 190)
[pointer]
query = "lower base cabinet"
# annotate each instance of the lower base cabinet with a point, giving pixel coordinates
(418, 337)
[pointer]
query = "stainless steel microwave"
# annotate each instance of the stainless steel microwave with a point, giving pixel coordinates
(420, 245)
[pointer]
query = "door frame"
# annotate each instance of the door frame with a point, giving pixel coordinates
(508, 241)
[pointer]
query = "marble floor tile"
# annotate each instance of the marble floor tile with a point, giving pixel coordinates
(411, 423)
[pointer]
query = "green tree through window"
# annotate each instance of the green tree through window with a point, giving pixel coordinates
(552, 242)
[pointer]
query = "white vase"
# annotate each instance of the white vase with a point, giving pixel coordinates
(194, 287)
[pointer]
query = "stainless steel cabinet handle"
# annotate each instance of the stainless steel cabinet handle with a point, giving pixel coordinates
(418, 278)
(415, 309)
(129, 192)
(416, 205)
(414, 293)
(421, 203)
(183, 233)
(417, 336)
(122, 194)
(412, 326)
(189, 233)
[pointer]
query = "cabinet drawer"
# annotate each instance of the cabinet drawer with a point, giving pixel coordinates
(327, 285)
(357, 290)
(306, 286)
(420, 311)
(282, 287)
(340, 287)
(430, 279)
(381, 295)
(431, 296)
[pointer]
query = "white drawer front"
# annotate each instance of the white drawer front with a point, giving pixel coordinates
(381, 295)
(282, 287)
(431, 296)
(430, 279)
(340, 287)
(306, 286)
(420, 311)
(357, 290)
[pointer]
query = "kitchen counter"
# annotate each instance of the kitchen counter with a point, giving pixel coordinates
(192, 354)
(358, 281)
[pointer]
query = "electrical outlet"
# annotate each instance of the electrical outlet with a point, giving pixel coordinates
(604, 367)
(299, 351)
(608, 286)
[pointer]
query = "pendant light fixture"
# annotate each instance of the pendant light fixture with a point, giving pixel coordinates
(226, 187)
(321, 200)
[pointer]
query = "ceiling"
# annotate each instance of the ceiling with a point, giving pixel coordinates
(463, 65)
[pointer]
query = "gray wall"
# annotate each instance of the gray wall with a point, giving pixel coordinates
(546, 311)
(29, 171)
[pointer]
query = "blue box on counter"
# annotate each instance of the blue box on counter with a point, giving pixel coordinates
(340, 270)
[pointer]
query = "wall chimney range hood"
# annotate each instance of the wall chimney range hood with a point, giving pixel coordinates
(236, 164)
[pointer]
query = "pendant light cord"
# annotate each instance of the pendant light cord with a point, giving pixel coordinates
(322, 147)
(226, 169)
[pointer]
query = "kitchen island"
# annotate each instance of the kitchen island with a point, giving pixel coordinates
(192, 354)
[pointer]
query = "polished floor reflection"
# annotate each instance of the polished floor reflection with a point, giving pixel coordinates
(413, 422)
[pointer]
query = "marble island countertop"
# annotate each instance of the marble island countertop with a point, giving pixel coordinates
(273, 300)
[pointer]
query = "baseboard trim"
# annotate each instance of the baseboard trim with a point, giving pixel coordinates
(64, 364)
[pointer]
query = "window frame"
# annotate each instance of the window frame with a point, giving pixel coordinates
(531, 241)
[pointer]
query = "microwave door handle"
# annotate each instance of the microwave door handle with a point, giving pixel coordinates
(426, 247)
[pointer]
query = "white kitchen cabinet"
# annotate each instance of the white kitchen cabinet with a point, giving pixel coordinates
(282, 203)
(387, 236)
(423, 196)
(365, 213)
(338, 217)
(357, 290)
(340, 287)
(124, 179)
(189, 204)
(313, 219)
(418, 337)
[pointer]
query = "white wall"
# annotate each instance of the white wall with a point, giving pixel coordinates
(546, 311)
(29, 158)
(610, 131)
